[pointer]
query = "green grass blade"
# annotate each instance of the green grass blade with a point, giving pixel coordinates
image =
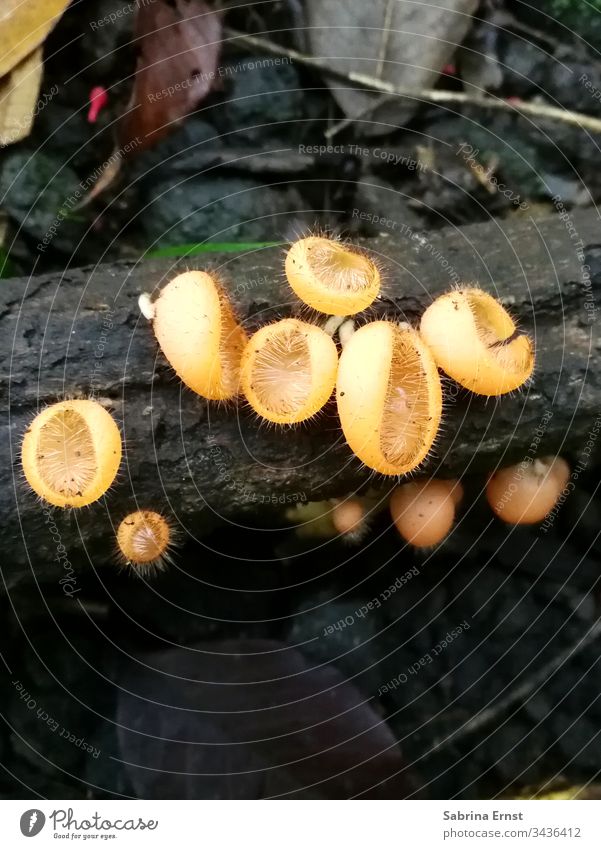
(7, 267)
(210, 247)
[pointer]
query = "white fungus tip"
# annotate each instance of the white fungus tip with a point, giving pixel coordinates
(333, 324)
(345, 331)
(146, 306)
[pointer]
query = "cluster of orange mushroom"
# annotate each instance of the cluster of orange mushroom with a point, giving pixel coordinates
(423, 512)
(388, 388)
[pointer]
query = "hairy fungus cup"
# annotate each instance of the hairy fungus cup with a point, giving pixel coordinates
(71, 453)
(332, 277)
(525, 494)
(196, 328)
(389, 397)
(476, 342)
(144, 538)
(288, 371)
(424, 511)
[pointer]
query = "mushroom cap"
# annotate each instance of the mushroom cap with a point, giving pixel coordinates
(457, 491)
(332, 277)
(423, 511)
(71, 453)
(288, 370)
(525, 495)
(198, 333)
(475, 341)
(348, 515)
(143, 537)
(389, 397)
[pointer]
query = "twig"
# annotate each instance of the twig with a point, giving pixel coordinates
(537, 110)
(385, 40)
(346, 122)
(519, 694)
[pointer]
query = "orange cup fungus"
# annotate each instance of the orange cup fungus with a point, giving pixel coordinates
(198, 333)
(349, 517)
(389, 397)
(476, 342)
(71, 453)
(288, 371)
(332, 277)
(456, 491)
(524, 495)
(424, 511)
(144, 538)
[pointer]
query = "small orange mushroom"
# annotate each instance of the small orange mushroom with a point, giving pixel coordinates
(424, 511)
(144, 538)
(332, 277)
(389, 397)
(348, 515)
(196, 328)
(349, 518)
(476, 342)
(71, 453)
(456, 491)
(288, 371)
(525, 494)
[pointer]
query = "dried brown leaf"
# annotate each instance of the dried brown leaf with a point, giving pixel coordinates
(178, 49)
(102, 178)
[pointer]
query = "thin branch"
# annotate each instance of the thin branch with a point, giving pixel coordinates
(346, 122)
(385, 40)
(536, 110)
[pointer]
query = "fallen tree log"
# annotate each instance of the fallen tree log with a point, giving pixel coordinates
(80, 334)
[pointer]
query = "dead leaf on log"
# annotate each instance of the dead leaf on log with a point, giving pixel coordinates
(19, 92)
(24, 25)
(178, 44)
(397, 41)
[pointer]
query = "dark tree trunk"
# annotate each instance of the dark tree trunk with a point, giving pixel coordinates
(80, 334)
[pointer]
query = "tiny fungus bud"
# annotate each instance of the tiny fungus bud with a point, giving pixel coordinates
(144, 538)
(525, 495)
(332, 277)
(198, 333)
(475, 341)
(349, 517)
(389, 397)
(312, 519)
(288, 370)
(424, 511)
(71, 453)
